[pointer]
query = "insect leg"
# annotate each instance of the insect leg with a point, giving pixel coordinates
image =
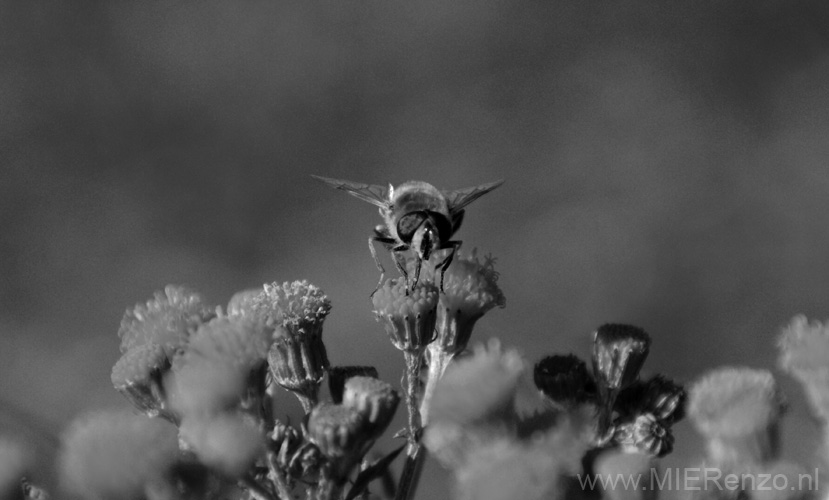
(445, 264)
(395, 253)
(371, 241)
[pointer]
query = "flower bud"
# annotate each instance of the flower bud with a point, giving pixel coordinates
(138, 374)
(340, 434)
(409, 317)
(564, 379)
(298, 362)
(646, 435)
(374, 399)
(338, 375)
(738, 411)
(619, 351)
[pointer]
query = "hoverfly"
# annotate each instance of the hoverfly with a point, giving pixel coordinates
(417, 216)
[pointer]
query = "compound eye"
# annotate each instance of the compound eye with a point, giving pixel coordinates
(408, 224)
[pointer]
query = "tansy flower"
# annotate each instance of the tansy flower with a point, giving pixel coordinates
(224, 365)
(167, 320)
(374, 399)
(470, 290)
(340, 434)
(339, 375)
(804, 353)
(298, 306)
(138, 376)
(737, 410)
(242, 303)
(298, 363)
(409, 317)
(475, 400)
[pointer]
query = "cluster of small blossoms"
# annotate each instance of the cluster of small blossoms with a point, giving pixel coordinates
(738, 411)
(212, 375)
(606, 419)
(431, 325)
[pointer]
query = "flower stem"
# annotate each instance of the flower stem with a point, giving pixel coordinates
(415, 454)
(256, 490)
(277, 477)
(439, 359)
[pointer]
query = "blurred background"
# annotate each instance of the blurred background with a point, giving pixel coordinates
(665, 165)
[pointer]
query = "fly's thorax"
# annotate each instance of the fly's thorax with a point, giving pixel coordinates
(414, 196)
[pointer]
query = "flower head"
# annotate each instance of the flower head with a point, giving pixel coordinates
(237, 341)
(243, 303)
(137, 375)
(167, 320)
(620, 464)
(470, 290)
(479, 388)
(339, 375)
(374, 399)
(341, 435)
(113, 455)
(298, 306)
(804, 353)
(564, 379)
(735, 401)
(646, 434)
(298, 362)
(226, 442)
(409, 317)
(737, 409)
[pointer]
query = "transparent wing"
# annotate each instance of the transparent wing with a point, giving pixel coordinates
(376, 195)
(462, 197)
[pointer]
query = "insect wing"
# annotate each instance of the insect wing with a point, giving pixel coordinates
(462, 197)
(376, 195)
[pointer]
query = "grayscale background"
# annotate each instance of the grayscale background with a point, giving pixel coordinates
(666, 165)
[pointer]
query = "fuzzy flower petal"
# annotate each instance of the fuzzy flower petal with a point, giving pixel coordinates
(115, 455)
(226, 442)
(480, 387)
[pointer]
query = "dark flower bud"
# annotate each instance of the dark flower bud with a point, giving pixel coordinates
(564, 379)
(646, 434)
(665, 399)
(339, 375)
(659, 396)
(619, 351)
